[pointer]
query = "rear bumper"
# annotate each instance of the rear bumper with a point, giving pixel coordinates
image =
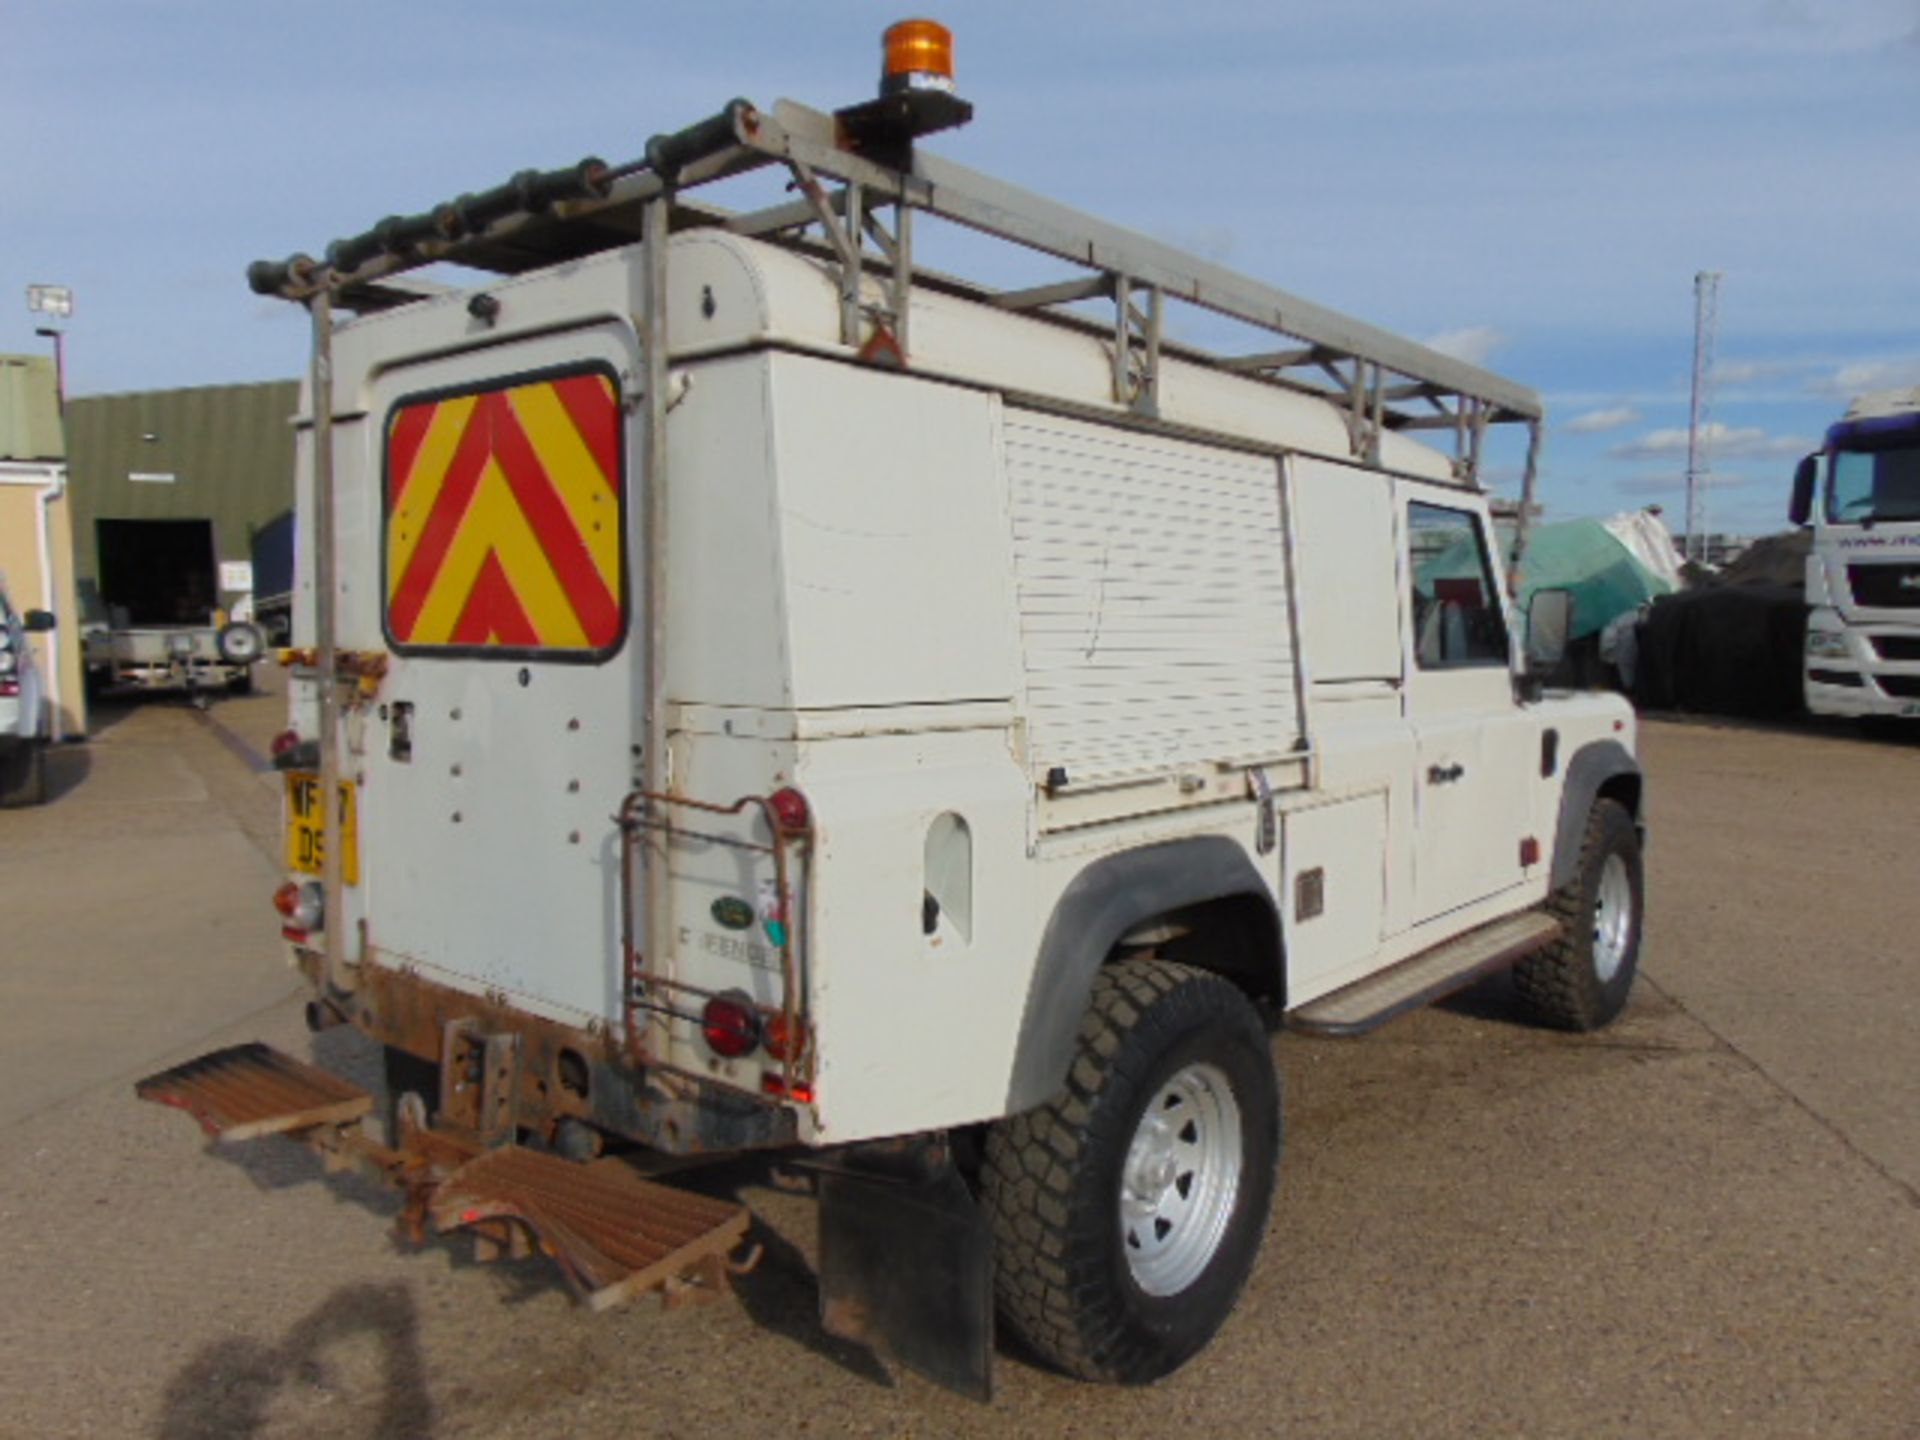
(158, 675)
(563, 1071)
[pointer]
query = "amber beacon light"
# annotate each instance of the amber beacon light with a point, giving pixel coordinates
(916, 55)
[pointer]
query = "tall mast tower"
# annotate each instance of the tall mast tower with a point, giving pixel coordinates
(1706, 306)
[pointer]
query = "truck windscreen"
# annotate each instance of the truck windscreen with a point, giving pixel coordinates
(1876, 484)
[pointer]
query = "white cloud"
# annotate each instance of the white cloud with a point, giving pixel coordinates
(1475, 344)
(1746, 372)
(1596, 422)
(1720, 441)
(1863, 375)
(1673, 485)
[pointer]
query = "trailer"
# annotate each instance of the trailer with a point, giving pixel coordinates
(165, 632)
(751, 693)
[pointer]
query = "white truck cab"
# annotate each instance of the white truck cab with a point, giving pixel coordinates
(752, 694)
(1861, 495)
(23, 706)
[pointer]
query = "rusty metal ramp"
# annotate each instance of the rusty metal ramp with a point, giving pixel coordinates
(247, 1091)
(613, 1234)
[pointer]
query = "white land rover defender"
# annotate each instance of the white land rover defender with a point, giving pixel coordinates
(753, 693)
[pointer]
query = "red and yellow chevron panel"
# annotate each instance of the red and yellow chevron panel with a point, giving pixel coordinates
(504, 518)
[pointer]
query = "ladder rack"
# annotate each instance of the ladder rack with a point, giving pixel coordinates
(1377, 380)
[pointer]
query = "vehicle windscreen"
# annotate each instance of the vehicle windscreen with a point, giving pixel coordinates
(1875, 483)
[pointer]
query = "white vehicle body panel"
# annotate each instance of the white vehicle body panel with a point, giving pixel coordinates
(990, 627)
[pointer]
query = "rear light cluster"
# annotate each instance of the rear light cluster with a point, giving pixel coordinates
(790, 812)
(733, 1026)
(9, 667)
(301, 906)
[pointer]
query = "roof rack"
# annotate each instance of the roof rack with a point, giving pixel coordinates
(1378, 380)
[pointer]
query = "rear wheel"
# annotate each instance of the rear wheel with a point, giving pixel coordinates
(1580, 982)
(1127, 1211)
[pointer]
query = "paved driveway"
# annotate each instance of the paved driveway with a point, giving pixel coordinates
(1703, 1222)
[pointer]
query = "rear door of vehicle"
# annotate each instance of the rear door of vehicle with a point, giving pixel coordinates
(503, 740)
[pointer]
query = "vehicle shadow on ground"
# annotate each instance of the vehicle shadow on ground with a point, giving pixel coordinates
(67, 769)
(104, 714)
(781, 1293)
(233, 1387)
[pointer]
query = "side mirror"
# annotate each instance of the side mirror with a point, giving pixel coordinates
(1549, 626)
(34, 621)
(1800, 510)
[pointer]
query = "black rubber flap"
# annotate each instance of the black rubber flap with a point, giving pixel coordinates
(906, 1269)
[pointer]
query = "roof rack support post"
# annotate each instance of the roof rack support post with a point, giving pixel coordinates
(1376, 412)
(655, 226)
(1365, 409)
(1481, 413)
(855, 219)
(849, 204)
(1146, 400)
(898, 249)
(326, 638)
(1461, 470)
(1136, 348)
(1528, 475)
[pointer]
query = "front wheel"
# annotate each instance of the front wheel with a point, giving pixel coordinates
(1127, 1211)
(1580, 982)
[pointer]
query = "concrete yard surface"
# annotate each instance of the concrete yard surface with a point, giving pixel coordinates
(1704, 1221)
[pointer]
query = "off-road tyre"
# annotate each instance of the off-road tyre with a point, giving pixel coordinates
(23, 775)
(1563, 986)
(1051, 1179)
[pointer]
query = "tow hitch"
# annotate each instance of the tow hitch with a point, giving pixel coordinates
(612, 1234)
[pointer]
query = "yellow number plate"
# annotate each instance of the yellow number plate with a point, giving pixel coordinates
(307, 827)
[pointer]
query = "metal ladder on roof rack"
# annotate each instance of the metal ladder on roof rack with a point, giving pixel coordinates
(1379, 381)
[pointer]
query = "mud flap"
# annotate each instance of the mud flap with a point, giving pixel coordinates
(906, 1269)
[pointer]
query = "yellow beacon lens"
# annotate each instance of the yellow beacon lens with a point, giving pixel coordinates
(916, 55)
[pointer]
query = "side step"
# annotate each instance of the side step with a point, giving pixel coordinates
(1429, 976)
(612, 1234)
(252, 1090)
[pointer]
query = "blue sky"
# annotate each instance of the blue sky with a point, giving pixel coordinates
(1531, 185)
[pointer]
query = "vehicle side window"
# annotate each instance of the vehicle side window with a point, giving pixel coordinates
(1457, 618)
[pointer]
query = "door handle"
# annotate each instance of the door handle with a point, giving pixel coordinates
(1445, 774)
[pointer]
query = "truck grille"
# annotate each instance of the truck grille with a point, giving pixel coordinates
(1897, 647)
(1901, 687)
(1885, 587)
